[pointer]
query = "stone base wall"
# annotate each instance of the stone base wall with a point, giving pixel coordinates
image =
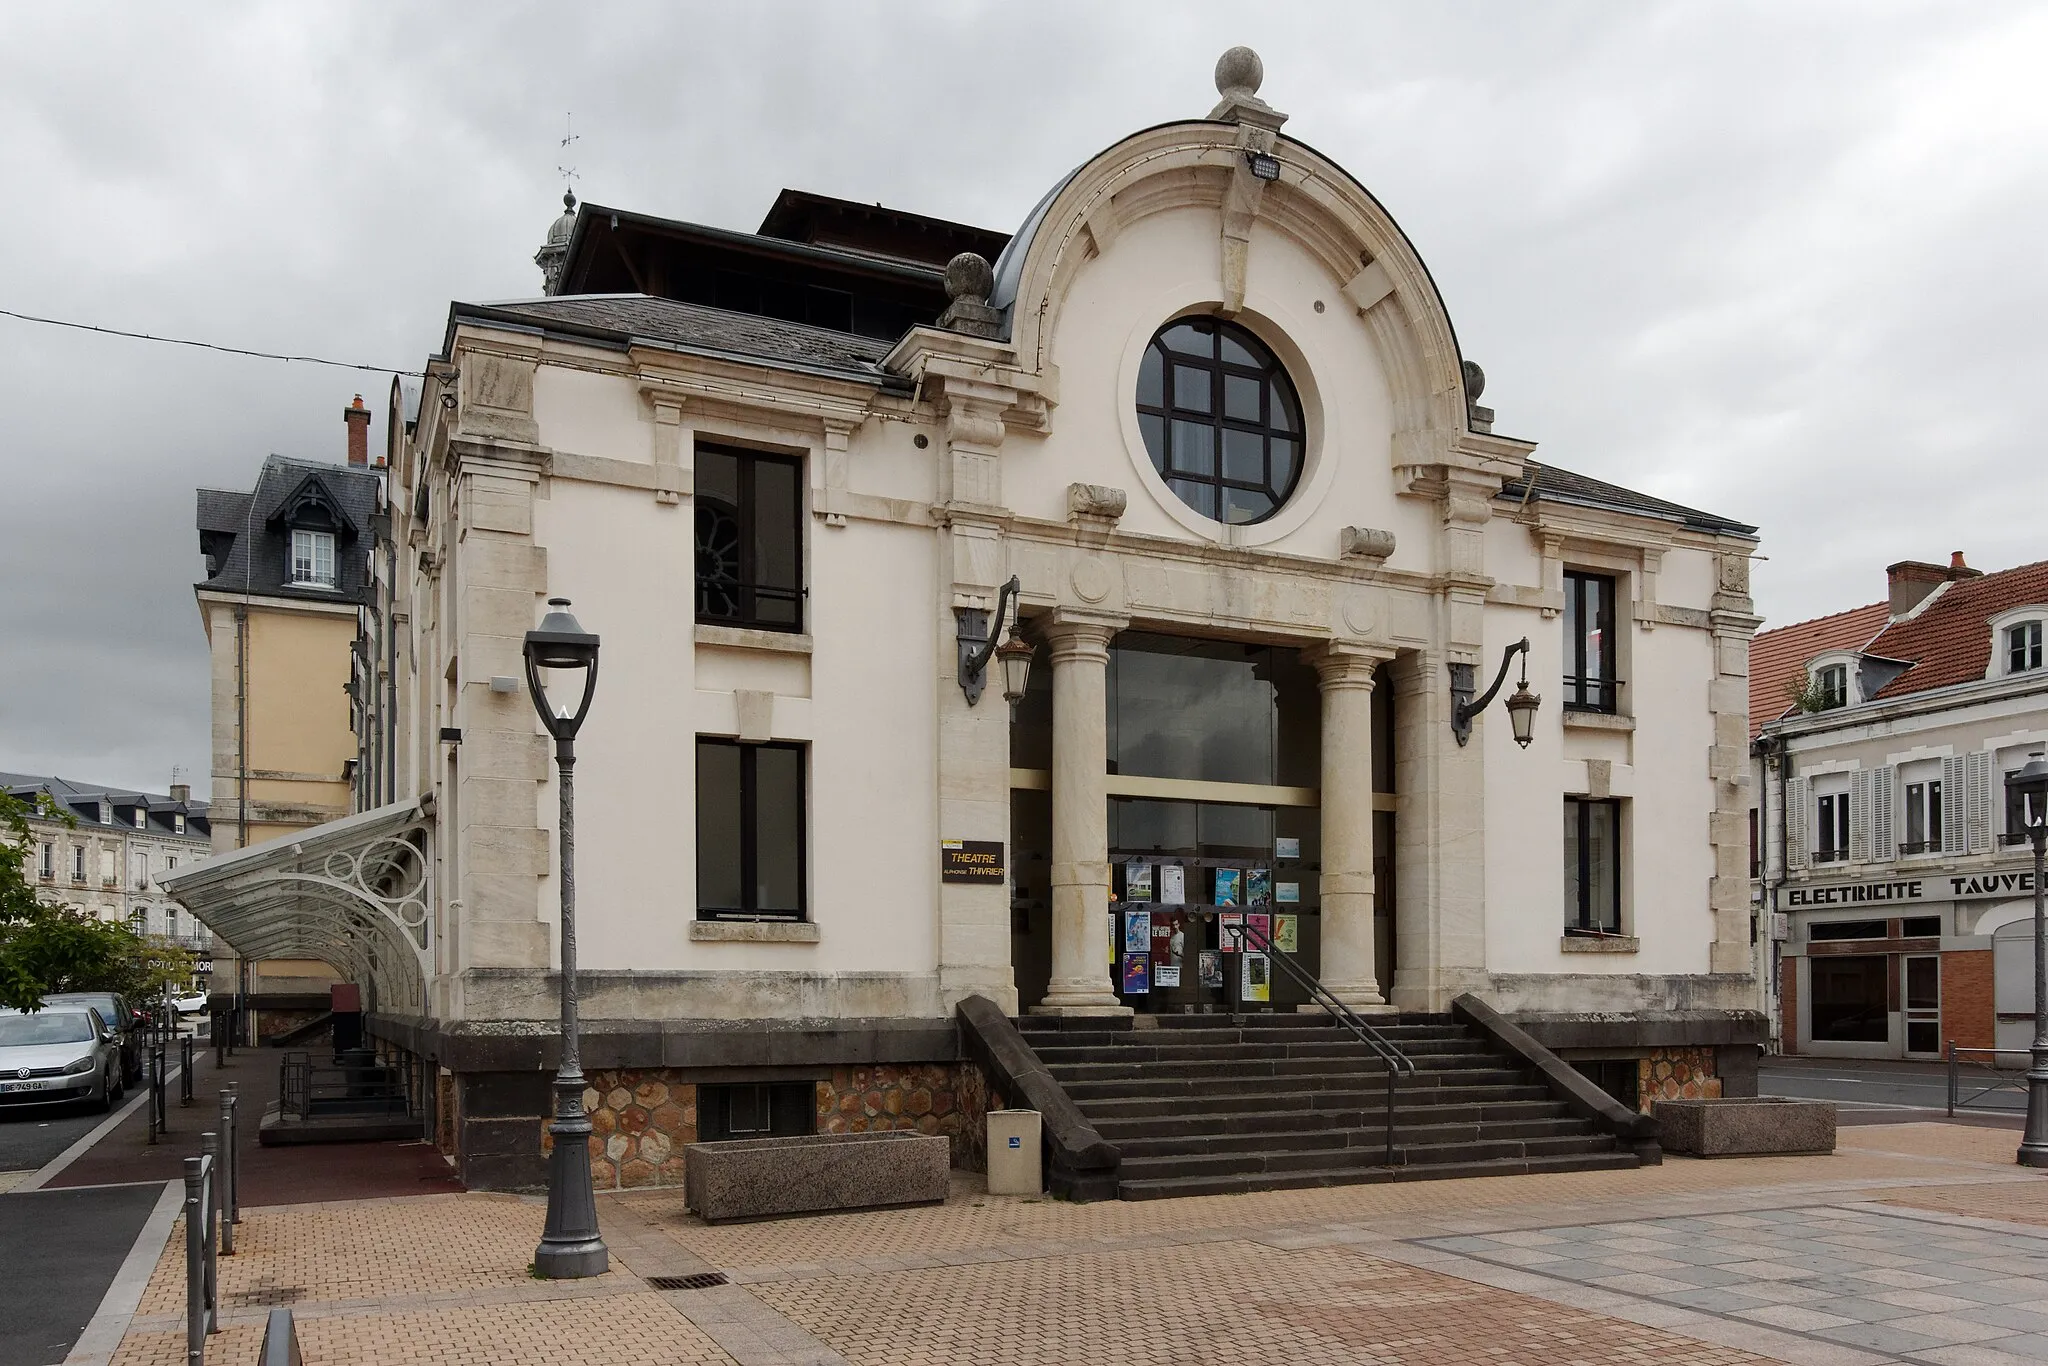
(1676, 1074)
(975, 1098)
(272, 1021)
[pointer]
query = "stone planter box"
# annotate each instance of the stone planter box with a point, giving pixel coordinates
(763, 1178)
(1746, 1127)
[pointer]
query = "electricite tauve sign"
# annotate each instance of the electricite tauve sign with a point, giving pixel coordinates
(973, 861)
(1911, 890)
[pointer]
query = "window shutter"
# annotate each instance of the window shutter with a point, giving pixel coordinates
(1798, 794)
(1979, 813)
(1881, 804)
(1859, 817)
(1953, 800)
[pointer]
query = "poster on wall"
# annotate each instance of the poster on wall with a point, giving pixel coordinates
(1230, 931)
(1137, 974)
(1262, 929)
(1210, 965)
(1165, 976)
(1258, 887)
(1116, 932)
(1173, 885)
(1287, 893)
(1137, 932)
(1287, 933)
(1287, 846)
(1229, 881)
(1257, 981)
(1137, 882)
(1167, 940)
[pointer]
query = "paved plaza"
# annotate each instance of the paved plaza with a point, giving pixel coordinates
(1919, 1242)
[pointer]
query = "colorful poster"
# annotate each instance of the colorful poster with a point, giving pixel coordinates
(1210, 965)
(1287, 846)
(1230, 931)
(1228, 882)
(1137, 882)
(1287, 893)
(1176, 940)
(1258, 887)
(1287, 933)
(1137, 974)
(1165, 976)
(1116, 932)
(1137, 932)
(1167, 939)
(1262, 929)
(1256, 984)
(1173, 885)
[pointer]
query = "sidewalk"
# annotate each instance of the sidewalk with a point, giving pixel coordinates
(1915, 1242)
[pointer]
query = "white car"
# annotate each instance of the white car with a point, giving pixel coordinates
(189, 1005)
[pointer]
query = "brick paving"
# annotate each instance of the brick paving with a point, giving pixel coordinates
(1811, 1259)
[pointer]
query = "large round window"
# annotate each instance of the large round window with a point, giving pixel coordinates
(1220, 419)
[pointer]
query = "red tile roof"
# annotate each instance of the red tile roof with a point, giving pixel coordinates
(1950, 641)
(1777, 659)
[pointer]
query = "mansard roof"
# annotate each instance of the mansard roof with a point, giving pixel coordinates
(1949, 639)
(1778, 658)
(246, 537)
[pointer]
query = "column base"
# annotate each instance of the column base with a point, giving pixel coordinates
(1082, 1002)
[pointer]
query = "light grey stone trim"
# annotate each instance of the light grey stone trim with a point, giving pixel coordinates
(753, 932)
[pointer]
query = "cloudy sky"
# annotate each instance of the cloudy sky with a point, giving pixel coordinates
(1781, 261)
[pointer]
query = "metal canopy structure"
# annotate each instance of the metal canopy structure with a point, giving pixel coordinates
(356, 893)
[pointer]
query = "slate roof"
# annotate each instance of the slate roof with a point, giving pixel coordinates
(250, 544)
(641, 319)
(78, 796)
(1949, 641)
(1778, 658)
(1563, 486)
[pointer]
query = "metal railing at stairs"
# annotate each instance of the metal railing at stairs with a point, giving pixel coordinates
(1398, 1064)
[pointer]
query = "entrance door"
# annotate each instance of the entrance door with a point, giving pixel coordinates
(1923, 1006)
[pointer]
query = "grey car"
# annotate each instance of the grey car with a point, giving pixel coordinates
(60, 1054)
(115, 1010)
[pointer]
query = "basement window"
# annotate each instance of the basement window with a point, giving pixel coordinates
(770, 1109)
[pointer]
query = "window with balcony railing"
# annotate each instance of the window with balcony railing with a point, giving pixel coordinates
(1832, 828)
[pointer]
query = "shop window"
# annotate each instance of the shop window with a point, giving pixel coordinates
(1849, 999)
(2023, 647)
(1923, 818)
(1831, 684)
(774, 1109)
(312, 559)
(1221, 420)
(1846, 929)
(1592, 866)
(1832, 828)
(750, 831)
(1921, 927)
(1589, 682)
(749, 539)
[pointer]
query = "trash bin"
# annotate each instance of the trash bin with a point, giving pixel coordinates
(1013, 1161)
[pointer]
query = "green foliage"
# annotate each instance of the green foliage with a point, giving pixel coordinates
(1806, 694)
(46, 947)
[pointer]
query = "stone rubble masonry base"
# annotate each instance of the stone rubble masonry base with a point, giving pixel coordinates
(1773, 1126)
(1676, 1074)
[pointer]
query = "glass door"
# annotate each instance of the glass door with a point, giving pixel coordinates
(1923, 1006)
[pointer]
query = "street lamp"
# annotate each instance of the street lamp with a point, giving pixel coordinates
(2028, 789)
(569, 1245)
(1521, 704)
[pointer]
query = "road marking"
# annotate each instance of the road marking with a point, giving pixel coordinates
(102, 1337)
(57, 1164)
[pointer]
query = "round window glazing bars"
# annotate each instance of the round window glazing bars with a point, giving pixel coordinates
(1221, 420)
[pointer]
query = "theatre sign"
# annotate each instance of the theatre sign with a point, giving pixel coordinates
(1912, 891)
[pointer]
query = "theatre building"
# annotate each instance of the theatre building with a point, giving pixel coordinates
(1206, 409)
(1893, 867)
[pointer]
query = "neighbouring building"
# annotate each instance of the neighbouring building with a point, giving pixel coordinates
(1892, 867)
(107, 858)
(1206, 406)
(288, 584)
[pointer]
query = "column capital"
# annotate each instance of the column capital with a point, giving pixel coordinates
(1079, 634)
(1347, 663)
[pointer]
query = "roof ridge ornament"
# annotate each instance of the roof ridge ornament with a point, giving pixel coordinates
(969, 281)
(553, 255)
(1239, 73)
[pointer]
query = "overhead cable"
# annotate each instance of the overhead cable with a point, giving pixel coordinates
(209, 346)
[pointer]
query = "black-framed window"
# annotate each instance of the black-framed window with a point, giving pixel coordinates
(1849, 999)
(750, 831)
(1833, 684)
(1847, 929)
(1831, 828)
(1221, 419)
(1589, 682)
(749, 539)
(1592, 865)
(1923, 818)
(758, 1109)
(1756, 851)
(2023, 647)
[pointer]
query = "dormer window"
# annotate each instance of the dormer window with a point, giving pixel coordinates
(1831, 687)
(142, 818)
(2023, 647)
(312, 559)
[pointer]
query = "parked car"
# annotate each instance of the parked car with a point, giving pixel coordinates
(191, 1004)
(127, 1022)
(60, 1054)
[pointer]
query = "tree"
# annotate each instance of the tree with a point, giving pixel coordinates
(46, 947)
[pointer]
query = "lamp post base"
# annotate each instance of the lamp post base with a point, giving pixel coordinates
(570, 1247)
(2034, 1144)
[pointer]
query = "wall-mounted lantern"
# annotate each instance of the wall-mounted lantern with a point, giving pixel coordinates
(1521, 704)
(977, 637)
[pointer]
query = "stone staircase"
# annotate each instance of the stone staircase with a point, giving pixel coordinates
(1210, 1104)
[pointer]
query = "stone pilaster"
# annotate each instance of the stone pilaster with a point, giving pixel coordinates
(1080, 817)
(1345, 674)
(1439, 842)
(1733, 620)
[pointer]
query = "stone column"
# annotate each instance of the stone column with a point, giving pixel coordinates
(1080, 818)
(1345, 673)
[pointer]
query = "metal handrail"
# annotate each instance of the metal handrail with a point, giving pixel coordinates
(2014, 1081)
(1399, 1064)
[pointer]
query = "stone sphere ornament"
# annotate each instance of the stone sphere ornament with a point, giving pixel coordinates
(969, 276)
(1239, 71)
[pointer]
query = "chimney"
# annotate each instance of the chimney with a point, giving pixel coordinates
(1911, 581)
(358, 419)
(1958, 570)
(181, 792)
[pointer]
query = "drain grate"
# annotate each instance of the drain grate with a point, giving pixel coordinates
(703, 1280)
